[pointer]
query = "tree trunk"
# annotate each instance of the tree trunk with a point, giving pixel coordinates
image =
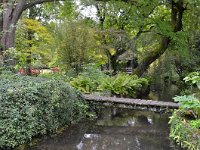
(177, 11)
(12, 10)
(10, 17)
(144, 65)
(1, 31)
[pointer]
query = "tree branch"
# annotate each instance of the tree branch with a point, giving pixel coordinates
(35, 2)
(176, 20)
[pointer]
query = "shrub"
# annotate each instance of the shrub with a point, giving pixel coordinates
(183, 132)
(88, 80)
(124, 85)
(31, 106)
(195, 124)
(193, 78)
(185, 122)
(84, 84)
(56, 76)
(189, 102)
(92, 80)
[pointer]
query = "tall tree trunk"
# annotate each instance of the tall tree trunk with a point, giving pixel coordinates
(11, 14)
(177, 10)
(144, 65)
(12, 11)
(1, 31)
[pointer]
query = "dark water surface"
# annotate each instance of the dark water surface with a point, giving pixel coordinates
(115, 129)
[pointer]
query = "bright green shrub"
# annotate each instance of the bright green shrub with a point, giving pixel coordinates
(183, 132)
(31, 106)
(56, 76)
(88, 80)
(186, 131)
(189, 102)
(195, 124)
(193, 78)
(84, 84)
(185, 122)
(93, 80)
(124, 85)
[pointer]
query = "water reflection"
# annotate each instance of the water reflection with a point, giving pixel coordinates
(115, 129)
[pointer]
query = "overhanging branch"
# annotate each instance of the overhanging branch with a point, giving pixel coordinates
(35, 2)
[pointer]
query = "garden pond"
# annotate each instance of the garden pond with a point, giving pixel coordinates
(114, 129)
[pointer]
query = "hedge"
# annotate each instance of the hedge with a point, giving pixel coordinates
(31, 106)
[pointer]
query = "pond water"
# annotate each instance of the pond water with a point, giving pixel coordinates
(114, 129)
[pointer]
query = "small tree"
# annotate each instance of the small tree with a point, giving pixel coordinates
(34, 49)
(76, 45)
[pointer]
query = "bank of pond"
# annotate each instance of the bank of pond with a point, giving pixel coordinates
(32, 107)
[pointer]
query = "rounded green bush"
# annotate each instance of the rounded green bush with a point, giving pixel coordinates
(31, 106)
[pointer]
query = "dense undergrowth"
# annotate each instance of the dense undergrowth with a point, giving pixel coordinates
(185, 122)
(92, 81)
(185, 132)
(32, 106)
(121, 85)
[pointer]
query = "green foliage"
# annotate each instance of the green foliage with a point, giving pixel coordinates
(189, 102)
(193, 78)
(88, 80)
(56, 76)
(183, 133)
(93, 80)
(68, 10)
(124, 85)
(6, 66)
(31, 106)
(84, 84)
(93, 71)
(195, 124)
(193, 84)
(33, 42)
(75, 43)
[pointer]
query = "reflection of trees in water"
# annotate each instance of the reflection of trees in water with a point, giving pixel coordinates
(143, 119)
(125, 117)
(115, 130)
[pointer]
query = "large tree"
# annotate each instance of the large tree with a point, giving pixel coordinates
(173, 24)
(11, 10)
(121, 24)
